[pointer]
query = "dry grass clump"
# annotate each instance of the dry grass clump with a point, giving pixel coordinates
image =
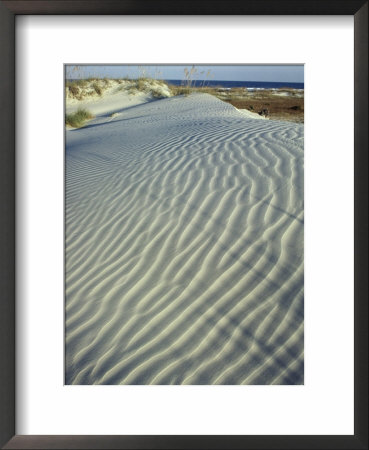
(142, 83)
(97, 89)
(73, 90)
(180, 90)
(157, 93)
(78, 118)
(185, 89)
(80, 89)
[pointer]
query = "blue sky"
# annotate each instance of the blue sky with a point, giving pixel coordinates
(290, 73)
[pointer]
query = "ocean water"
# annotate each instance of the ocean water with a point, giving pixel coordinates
(247, 84)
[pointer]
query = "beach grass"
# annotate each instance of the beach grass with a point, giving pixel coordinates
(180, 90)
(78, 119)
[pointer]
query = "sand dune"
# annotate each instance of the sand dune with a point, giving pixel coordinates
(184, 247)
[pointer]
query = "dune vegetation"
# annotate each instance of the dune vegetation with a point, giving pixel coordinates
(278, 104)
(85, 89)
(78, 118)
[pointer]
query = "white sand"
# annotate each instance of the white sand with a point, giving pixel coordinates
(184, 246)
(108, 104)
(252, 115)
(115, 96)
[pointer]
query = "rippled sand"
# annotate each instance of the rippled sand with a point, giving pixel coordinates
(184, 247)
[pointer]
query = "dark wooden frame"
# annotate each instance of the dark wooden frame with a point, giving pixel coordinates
(8, 11)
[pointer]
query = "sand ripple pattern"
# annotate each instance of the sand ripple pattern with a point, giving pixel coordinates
(184, 247)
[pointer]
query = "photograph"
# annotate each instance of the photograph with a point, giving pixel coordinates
(184, 242)
(184, 224)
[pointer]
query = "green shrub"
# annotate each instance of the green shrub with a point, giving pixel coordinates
(77, 119)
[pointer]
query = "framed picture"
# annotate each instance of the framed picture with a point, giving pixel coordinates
(155, 342)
